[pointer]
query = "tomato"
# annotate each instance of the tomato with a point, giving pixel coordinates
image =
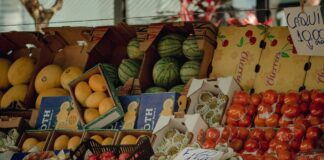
(313, 120)
(241, 98)
(292, 110)
(298, 132)
(236, 144)
(284, 155)
(212, 133)
(305, 96)
(257, 133)
(303, 107)
(234, 131)
(243, 133)
(301, 120)
(245, 122)
(281, 98)
(272, 121)
(249, 157)
(221, 141)
(232, 121)
(276, 144)
(278, 108)
(313, 133)
(294, 144)
(322, 127)
(259, 122)
(291, 98)
(284, 108)
(316, 109)
(264, 108)
(209, 144)
(269, 133)
(284, 134)
(318, 98)
(256, 99)
(314, 94)
(283, 122)
(268, 156)
(306, 145)
(236, 111)
(251, 145)
(201, 136)
(270, 97)
(251, 109)
(264, 145)
(226, 133)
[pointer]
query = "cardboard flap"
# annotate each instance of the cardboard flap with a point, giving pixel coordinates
(152, 32)
(161, 123)
(193, 88)
(10, 122)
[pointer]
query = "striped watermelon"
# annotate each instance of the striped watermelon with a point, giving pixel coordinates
(112, 74)
(155, 90)
(127, 69)
(170, 45)
(189, 70)
(133, 50)
(191, 50)
(166, 72)
(177, 88)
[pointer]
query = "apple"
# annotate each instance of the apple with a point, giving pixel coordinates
(313, 133)
(212, 133)
(251, 145)
(209, 144)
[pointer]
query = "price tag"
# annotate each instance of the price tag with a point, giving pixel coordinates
(306, 29)
(190, 153)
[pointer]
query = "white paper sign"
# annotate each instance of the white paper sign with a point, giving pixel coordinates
(306, 29)
(190, 153)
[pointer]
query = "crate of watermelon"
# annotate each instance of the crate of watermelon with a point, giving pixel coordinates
(142, 150)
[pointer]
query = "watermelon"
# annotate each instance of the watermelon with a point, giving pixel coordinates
(170, 45)
(177, 88)
(191, 50)
(133, 50)
(189, 70)
(166, 72)
(127, 69)
(155, 90)
(112, 74)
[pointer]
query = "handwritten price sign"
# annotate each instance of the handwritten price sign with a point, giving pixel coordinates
(306, 29)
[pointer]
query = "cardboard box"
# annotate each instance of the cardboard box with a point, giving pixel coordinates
(315, 74)
(152, 106)
(205, 34)
(237, 54)
(39, 135)
(113, 114)
(224, 85)
(188, 123)
(20, 44)
(28, 114)
(102, 133)
(57, 133)
(18, 123)
(58, 113)
(280, 68)
(136, 133)
(126, 102)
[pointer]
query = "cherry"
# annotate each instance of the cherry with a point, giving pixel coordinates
(274, 43)
(249, 33)
(252, 40)
(225, 43)
(289, 39)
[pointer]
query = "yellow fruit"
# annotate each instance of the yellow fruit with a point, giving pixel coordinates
(94, 99)
(82, 91)
(130, 116)
(97, 138)
(28, 144)
(50, 92)
(107, 141)
(129, 139)
(105, 105)
(90, 114)
(168, 103)
(40, 145)
(73, 143)
(4, 67)
(61, 142)
(20, 72)
(69, 75)
(15, 93)
(97, 83)
(133, 106)
(48, 77)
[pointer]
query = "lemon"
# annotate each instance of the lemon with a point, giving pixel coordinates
(97, 138)
(107, 141)
(82, 91)
(28, 144)
(90, 114)
(97, 83)
(105, 105)
(94, 99)
(128, 139)
(61, 142)
(73, 143)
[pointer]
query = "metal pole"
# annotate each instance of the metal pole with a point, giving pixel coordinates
(264, 14)
(119, 11)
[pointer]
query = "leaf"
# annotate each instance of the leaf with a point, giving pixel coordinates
(261, 27)
(284, 55)
(241, 42)
(270, 36)
(263, 32)
(221, 36)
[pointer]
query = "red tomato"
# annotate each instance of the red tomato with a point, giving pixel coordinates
(245, 122)
(303, 107)
(222, 141)
(313, 133)
(284, 155)
(269, 134)
(234, 131)
(316, 109)
(268, 156)
(264, 108)
(256, 99)
(284, 134)
(236, 111)
(314, 94)
(232, 121)
(212, 133)
(251, 145)
(276, 144)
(264, 145)
(322, 127)
(291, 98)
(249, 157)
(270, 97)
(283, 122)
(305, 96)
(284, 108)
(209, 144)
(278, 108)
(241, 98)
(318, 98)
(313, 120)
(299, 132)
(306, 145)
(301, 120)
(226, 133)
(272, 121)
(243, 133)
(281, 98)
(236, 144)
(294, 144)
(257, 133)
(292, 111)
(259, 122)
(251, 109)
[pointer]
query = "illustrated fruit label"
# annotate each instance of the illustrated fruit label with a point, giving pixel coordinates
(315, 75)
(281, 68)
(237, 53)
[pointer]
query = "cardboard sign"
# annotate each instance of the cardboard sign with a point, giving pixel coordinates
(190, 153)
(306, 29)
